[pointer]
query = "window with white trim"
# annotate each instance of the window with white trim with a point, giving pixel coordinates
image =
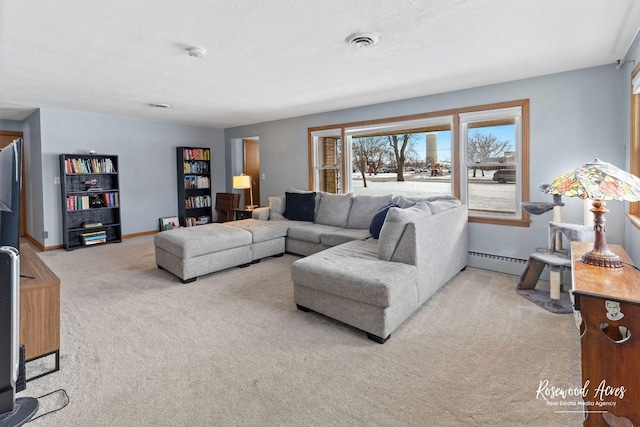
(479, 154)
(491, 162)
(327, 160)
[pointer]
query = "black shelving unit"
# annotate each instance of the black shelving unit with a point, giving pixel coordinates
(90, 193)
(194, 185)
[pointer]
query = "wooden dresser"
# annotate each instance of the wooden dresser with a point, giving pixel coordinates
(39, 308)
(609, 302)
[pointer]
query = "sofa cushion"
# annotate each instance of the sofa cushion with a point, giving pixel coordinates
(190, 242)
(310, 233)
(343, 235)
(394, 225)
(276, 208)
(300, 206)
(403, 202)
(353, 271)
(364, 208)
(334, 209)
(378, 219)
(262, 231)
(442, 204)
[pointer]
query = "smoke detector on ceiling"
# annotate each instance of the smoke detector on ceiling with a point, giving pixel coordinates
(362, 39)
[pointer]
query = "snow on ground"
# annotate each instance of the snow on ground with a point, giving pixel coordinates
(484, 193)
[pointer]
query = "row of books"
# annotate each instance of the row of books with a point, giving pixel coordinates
(89, 166)
(196, 167)
(93, 238)
(198, 202)
(196, 154)
(78, 203)
(196, 181)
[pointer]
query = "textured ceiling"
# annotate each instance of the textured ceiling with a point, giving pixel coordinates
(274, 59)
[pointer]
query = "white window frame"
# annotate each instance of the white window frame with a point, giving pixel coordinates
(514, 113)
(316, 166)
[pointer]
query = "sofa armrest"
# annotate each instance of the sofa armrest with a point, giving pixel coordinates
(261, 213)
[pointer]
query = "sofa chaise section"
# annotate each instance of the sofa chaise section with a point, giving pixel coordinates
(351, 284)
(375, 285)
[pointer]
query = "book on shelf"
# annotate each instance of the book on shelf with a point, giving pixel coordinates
(89, 165)
(196, 181)
(94, 242)
(94, 234)
(92, 224)
(196, 167)
(196, 154)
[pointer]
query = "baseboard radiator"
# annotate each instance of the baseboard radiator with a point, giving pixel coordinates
(501, 263)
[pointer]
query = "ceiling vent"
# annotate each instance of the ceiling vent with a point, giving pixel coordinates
(197, 52)
(362, 39)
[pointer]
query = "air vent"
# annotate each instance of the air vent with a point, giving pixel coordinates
(362, 39)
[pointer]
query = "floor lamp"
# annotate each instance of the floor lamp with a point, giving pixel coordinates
(243, 182)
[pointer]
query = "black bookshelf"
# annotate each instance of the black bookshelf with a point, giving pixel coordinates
(194, 185)
(90, 193)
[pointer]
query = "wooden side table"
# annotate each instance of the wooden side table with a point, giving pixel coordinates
(242, 213)
(609, 301)
(39, 309)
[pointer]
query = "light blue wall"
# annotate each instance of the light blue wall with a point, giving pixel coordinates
(575, 117)
(147, 162)
(11, 125)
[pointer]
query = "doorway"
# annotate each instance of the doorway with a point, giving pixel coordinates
(7, 138)
(251, 166)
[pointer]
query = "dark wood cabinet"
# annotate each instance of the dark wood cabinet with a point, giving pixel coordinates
(608, 300)
(90, 192)
(194, 185)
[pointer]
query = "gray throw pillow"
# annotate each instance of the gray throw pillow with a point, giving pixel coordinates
(276, 208)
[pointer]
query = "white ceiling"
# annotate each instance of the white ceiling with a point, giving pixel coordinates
(272, 59)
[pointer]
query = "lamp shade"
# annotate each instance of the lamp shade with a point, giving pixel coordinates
(241, 182)
(597, 180)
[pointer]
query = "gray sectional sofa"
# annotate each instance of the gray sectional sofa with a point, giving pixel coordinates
(373, 284)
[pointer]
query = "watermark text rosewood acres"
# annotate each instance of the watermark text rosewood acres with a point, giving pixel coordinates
(557, 396)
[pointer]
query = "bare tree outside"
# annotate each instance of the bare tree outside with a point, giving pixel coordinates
(369, 153)
(486, 147)
(402, 146)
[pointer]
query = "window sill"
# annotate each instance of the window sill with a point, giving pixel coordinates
(499, 221)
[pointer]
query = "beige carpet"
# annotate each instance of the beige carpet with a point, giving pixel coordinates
(139, 348)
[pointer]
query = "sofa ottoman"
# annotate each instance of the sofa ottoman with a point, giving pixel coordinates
(267, 237)
(190, 252)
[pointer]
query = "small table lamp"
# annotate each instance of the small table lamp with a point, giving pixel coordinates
(598, 181)
(243, 182)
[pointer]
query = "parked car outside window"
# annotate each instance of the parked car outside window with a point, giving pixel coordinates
(504, 175)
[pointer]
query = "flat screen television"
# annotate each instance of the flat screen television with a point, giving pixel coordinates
(10, 185)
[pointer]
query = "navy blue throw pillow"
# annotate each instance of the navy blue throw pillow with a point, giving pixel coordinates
(300, 206)
(378, 219)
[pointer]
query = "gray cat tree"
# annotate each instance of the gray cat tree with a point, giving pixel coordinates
(555, 257)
